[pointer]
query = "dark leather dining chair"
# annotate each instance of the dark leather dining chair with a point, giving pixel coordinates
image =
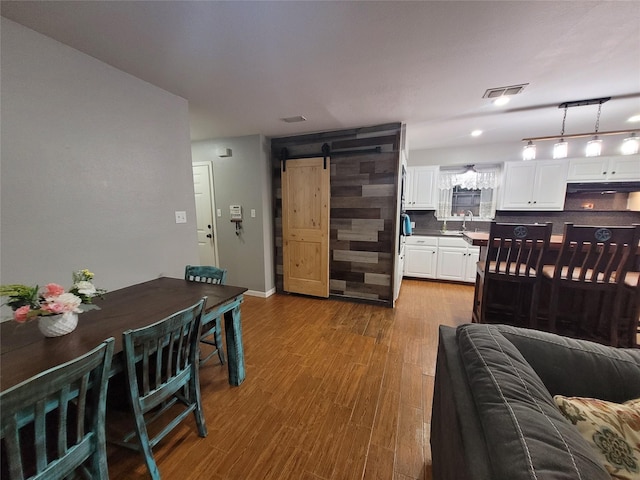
(587, 282)
(162, 369)
(211, 329)
(508, 279)
(53, 424)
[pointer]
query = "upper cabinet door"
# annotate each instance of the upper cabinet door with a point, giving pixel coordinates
(518, 185)
(624, 168)
(604, 169)
(534, 185)
(421, 188)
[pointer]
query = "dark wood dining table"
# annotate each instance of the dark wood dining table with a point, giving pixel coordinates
(25, 352)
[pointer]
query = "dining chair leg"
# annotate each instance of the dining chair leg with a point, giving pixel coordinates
(477, 293)
(218, 336)
(553, 308)
(533, 308)
(197, 411)
(145, 446)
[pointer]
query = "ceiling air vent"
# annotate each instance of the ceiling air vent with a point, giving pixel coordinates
(297, 118)
(503, 91)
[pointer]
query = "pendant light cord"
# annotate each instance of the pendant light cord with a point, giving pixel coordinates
(598, 117)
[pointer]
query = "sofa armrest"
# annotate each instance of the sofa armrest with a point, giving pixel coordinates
(458, 449)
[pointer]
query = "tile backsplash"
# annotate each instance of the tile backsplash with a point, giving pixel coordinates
(426, 221)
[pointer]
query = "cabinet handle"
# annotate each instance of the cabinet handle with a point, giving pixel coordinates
(529, 201)
(535, 201)
(604, 173)
(613, 173)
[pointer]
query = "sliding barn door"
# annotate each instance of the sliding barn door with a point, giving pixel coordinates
(305, 226)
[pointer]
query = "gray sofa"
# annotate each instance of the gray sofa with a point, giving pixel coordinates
(493, 412)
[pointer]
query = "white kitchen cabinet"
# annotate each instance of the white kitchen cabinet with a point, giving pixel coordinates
(420, 257)
(604, 169)
(456, 260)
(421, 188)
(534, 185)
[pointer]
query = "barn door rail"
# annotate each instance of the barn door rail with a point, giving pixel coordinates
(326, 152)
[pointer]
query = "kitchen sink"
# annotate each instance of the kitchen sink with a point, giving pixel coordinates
(455, 233)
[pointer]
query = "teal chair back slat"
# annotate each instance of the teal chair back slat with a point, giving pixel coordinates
(205, 274)
(162, 368)
(211, 331)
(70, 397)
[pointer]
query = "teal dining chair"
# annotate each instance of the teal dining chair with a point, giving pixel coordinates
(162, 370)
(53, 424)
(211, 330)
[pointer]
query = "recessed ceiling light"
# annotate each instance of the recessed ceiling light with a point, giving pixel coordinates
(635, 118)
(297, 118)
(476, 133)
(500, 101)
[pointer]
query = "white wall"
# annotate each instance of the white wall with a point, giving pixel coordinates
(243, 179)
(94, 164)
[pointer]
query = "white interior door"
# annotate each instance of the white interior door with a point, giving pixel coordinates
(205, 208)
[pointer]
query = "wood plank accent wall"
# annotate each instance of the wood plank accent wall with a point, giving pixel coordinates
(363, 212)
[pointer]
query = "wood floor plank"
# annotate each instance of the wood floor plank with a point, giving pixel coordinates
(334, 390)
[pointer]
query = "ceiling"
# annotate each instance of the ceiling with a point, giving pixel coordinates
(243, 66)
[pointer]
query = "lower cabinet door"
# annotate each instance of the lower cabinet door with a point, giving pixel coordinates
(420, 261)
(473, 255)
(452, 263)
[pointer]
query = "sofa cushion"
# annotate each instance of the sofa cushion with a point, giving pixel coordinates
(577, 368)
(526, 435)
(612, 430)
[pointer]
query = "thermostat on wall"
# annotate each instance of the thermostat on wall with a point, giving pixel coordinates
(223, 152)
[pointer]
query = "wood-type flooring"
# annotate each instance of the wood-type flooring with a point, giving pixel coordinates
(334, 390)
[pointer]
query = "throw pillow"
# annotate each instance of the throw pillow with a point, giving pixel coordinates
(612, 430)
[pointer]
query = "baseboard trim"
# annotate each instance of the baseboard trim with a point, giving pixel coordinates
(256, 293)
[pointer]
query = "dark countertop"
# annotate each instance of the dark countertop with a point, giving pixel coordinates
(437, 233)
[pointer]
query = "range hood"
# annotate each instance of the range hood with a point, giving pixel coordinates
(603, 187)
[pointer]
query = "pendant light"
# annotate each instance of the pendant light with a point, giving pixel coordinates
(561, 149)
(594, 146)
(630, 145)
(529, 151)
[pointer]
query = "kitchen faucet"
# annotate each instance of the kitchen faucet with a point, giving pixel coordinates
(464, 219)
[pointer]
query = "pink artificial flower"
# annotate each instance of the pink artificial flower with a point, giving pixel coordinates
(53, 290)
(20, 315)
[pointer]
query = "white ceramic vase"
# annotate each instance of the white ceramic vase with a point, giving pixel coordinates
(58, 325)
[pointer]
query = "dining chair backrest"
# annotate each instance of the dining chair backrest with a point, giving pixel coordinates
(160, 357)
(162, 367)
(54, 423)
(597, 255)
(211, 333)
(205, 274)
(515, 249)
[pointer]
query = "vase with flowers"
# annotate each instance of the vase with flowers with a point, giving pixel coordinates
(56, 309)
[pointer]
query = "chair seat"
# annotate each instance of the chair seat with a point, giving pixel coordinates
(549, 272)
(632, 278)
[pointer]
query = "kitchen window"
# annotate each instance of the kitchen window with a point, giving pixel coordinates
(469, 188)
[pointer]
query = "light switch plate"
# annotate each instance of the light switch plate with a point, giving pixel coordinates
(219, 212)
(181, 217)
(253, 213)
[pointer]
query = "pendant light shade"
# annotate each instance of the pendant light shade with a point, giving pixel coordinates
(594, 147)
(630, 145)
(529, 151)
(560, 149)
